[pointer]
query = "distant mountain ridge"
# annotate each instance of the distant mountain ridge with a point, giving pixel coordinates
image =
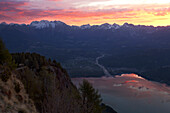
(45, 24)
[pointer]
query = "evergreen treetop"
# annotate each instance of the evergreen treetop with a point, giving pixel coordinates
(5, 56)
(91, 99)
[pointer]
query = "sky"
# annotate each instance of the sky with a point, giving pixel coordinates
(94, 12)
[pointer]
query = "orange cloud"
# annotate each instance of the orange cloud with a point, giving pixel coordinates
(146, 14)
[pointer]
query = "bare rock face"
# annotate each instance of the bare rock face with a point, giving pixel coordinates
(13, 97)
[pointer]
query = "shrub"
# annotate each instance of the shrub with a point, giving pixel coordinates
(17, 87)
(5, 75)
(22, 111)
(20, 98)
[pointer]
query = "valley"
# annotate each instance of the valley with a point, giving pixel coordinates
(128, 48)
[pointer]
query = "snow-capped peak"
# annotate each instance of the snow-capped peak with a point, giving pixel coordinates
(45, 23)
(106, 26)
(109, 26)
(87, 26)
(127, 25)
(116, 26)
(4, 23)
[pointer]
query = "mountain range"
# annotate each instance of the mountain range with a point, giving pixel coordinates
(53, 24)
(128, 48)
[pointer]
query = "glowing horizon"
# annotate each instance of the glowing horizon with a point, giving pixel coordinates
(77, 12)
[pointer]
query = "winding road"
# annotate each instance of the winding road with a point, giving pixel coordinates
(107, 74)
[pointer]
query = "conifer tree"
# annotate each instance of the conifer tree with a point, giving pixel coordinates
(91, 99)
(5, 56)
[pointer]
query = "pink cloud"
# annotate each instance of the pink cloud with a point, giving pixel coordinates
(13, 11)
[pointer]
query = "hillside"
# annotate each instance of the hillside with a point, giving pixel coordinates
(13, 97)
(30, 84)
(46, 86)
(47, 83)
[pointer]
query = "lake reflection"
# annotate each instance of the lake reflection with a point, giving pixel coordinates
(130, 93)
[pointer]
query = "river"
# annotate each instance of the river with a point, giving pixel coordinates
(107, 74)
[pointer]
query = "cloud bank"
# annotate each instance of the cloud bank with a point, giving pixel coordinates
(78, 12)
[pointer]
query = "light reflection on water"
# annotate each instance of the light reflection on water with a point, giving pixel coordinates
(131, 93)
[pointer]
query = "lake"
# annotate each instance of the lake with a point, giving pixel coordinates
(130, 93)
